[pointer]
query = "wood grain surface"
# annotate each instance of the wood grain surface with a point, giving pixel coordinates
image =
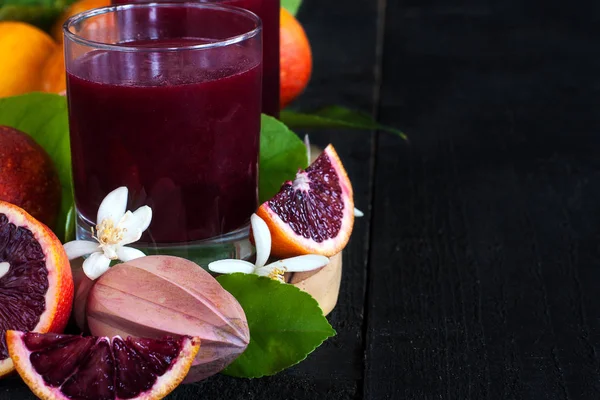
(475, 272)
(484, 261)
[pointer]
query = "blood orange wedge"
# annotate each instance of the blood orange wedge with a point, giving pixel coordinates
(314, 214)
(68, 367)
(36, 286)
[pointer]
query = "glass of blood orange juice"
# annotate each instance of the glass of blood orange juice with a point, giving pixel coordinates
(170, 108)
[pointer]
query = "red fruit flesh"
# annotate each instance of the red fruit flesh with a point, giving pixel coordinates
(84, 368)
(52, 350)
(314, 214)
(23, 288)
(311, 204)
(36, 286)
(95, 377)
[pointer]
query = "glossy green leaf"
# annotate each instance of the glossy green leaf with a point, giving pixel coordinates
(282, 153)
(334, 117)
(286, 325)
(291, 5)
(44, 117)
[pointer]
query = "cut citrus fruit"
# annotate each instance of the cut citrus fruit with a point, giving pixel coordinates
(314, 214)
(67, 367)
(36, 286)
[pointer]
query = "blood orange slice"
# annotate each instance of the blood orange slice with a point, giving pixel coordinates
(36, 286)
(314, 214)
(68, 367)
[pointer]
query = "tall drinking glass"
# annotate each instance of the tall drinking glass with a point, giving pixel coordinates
(269, 12)
(170, 108)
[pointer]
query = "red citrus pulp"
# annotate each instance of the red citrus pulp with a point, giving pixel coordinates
(67, 367)
(36, 286)
(314, 214)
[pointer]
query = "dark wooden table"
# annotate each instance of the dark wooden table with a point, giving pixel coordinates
(475, 272)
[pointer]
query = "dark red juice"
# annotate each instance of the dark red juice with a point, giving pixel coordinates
(181, 132)
(269, 12)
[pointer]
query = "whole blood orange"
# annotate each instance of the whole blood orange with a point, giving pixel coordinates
(66, 367)
(36, 287)
(28, 177)
(314, 214)
(295, 58)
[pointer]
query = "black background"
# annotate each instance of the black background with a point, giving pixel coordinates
(475, 273)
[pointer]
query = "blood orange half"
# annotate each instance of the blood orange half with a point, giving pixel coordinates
(314, 214)
(36, 286)
(67, 367)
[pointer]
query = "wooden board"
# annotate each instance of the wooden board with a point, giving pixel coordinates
(323, 285)
(485, 260)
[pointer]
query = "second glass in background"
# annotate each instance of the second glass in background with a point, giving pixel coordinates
(269, 12)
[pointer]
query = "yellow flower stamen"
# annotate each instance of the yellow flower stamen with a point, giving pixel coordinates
(107, 233)
(277, 274)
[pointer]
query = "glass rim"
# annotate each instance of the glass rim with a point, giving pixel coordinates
(78, 18)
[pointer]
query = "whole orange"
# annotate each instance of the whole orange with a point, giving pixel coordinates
(24, 50)
(295, 58)
(54, 76)
(75, 8)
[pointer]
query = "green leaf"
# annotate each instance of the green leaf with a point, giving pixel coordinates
(70, 225)
(44, 117)
(40, 16)
(335, 117)
(282, 153)
(291, 5)
(286, 325)
(48, 3)
(41, 13)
